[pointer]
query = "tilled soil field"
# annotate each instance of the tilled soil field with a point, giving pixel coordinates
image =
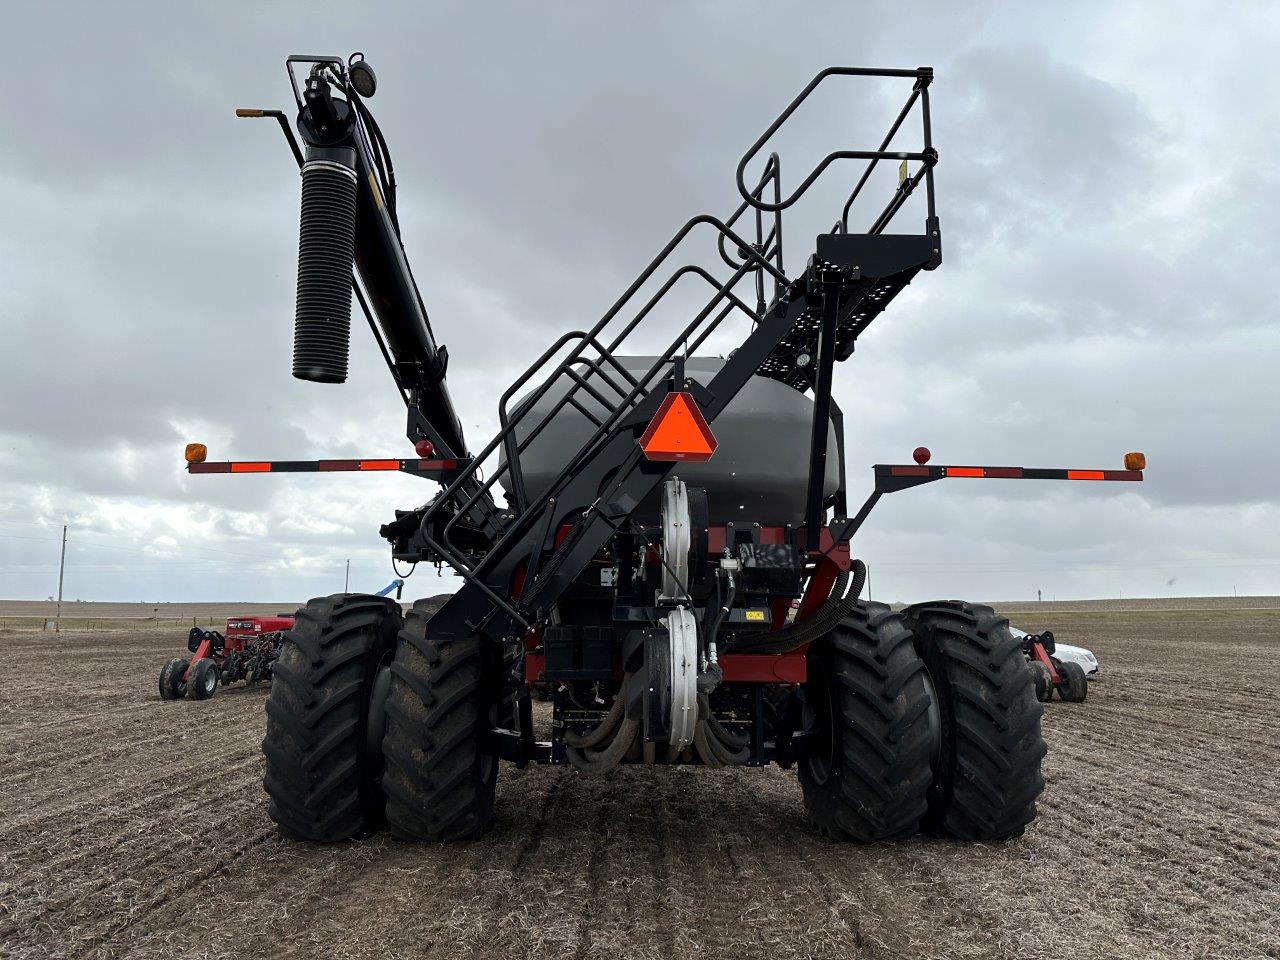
(130, 827)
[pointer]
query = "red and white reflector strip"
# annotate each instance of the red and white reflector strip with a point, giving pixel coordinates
(324, 466)
(1004, 473)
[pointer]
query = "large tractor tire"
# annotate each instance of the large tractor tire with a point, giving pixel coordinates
(1075, 685)
(866, 773)
(323, 767)
(440, 781)
(987, 772)
(172, 686)
(202, 679)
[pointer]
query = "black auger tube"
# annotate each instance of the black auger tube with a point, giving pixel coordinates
(326, 253)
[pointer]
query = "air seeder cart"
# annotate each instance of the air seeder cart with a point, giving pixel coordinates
(646, 516)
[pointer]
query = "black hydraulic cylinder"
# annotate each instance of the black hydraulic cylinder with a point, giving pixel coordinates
(326, 253)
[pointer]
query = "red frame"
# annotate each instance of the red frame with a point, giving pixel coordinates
(1038, 651)
(237, 640)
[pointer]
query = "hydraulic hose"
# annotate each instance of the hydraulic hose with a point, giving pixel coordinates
(835, 609)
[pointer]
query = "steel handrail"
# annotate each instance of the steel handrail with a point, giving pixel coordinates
(615, 415)
(772, 172)
(449, 493)
(514, 448)
(921, 74)
(756, 259)
(553, 489)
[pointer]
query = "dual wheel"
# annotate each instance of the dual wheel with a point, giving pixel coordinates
(922, 721)
(927, 720)
(371, 721)
(1073, 686)
(180, 678)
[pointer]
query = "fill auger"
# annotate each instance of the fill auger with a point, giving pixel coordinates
(661, 538)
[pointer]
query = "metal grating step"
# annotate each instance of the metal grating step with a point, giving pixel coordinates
(878, 267)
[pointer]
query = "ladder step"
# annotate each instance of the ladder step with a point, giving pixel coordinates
(879, 267)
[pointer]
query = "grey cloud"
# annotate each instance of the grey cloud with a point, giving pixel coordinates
(1108, 281)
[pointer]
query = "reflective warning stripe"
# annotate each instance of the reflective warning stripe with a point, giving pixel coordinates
(323, 466)
(1006, 473)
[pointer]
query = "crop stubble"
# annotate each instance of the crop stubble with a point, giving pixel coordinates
(137, 828)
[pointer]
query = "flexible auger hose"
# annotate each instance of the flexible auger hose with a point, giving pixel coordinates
(835, 609)
(326, 252)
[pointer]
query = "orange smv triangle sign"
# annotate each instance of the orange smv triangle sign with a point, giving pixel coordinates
(678, 431)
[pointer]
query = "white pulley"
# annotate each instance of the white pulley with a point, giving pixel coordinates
(682, 631)
(676, 540)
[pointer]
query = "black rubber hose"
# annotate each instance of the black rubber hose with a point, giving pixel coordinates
(601, 733)
(725, 754)
(589, 760)
(835, 609)
(601, 761)
(734, 740)
(703, 747)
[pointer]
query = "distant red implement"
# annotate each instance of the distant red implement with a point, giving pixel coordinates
(246, 652)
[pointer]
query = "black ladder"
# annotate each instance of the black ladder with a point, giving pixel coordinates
(807, 324)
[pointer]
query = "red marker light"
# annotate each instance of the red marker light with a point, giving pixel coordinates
(424, 449)
(921, 455)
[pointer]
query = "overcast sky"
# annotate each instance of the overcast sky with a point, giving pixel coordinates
(1108, 193)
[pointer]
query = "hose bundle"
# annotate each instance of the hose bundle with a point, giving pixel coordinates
(618, 738)
(585, 752)
(844, 597)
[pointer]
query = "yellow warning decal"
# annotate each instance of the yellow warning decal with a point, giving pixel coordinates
(755, 615)
(902, 173)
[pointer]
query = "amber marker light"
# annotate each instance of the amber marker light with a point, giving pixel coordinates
(196, 452)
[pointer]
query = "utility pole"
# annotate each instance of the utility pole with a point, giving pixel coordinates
(346, 580)
(62, 567)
